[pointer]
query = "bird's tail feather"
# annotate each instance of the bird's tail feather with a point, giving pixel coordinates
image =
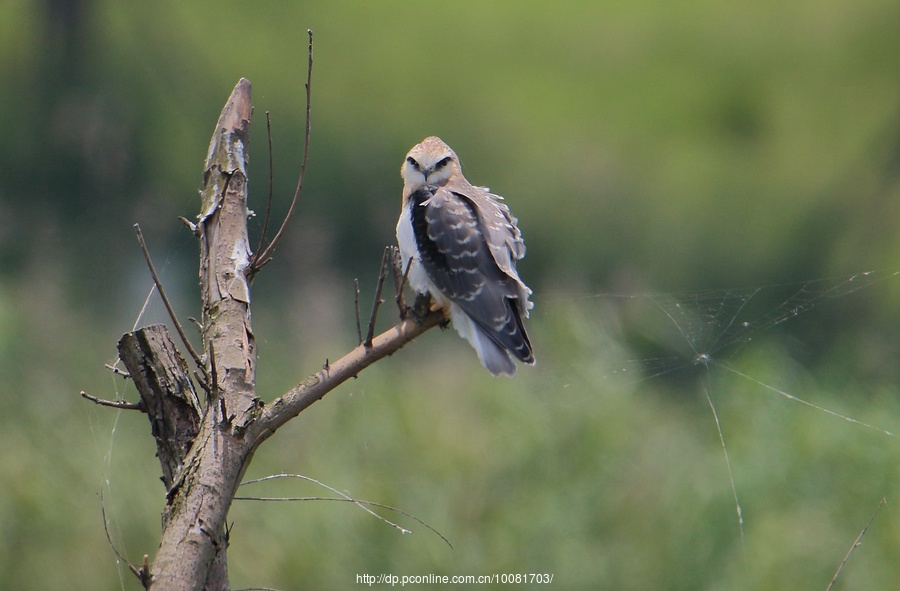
(492, 356)
(495, 359)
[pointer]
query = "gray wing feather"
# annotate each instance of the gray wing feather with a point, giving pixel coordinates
(502, 233)
(456, 243)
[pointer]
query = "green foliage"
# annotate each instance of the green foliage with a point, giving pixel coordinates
(644, 146)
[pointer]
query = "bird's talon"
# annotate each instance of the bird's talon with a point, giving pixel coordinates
(422, 307)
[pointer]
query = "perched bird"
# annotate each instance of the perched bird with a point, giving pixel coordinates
(464, 244)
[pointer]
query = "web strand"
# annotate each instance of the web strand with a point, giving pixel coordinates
(737, 502)
(692, 334)
(793, 398)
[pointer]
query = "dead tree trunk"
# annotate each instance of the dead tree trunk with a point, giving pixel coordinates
(204, 449)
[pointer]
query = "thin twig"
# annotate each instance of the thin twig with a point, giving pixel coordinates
(266, 255)
(190, 225)
(856, 543)
(265, 228)
(344, 498)
(143, 572)
(120, 404)
(356, 302)
(370, 333)
(106, 530)
(396, 268)
(117, 371)
(401, 302)
(162, 294)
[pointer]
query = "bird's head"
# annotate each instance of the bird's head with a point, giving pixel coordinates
(430, 162)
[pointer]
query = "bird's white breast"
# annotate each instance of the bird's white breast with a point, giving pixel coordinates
(417, 278)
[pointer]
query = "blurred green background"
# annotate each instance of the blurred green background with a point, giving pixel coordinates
(655, 153)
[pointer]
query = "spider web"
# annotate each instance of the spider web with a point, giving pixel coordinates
(685, 336)
(711, 327)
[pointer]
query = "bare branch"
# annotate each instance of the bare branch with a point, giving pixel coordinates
(316, 386)
(401, 303)
(265, 228)
(356, 303)
(190, 225)
(396, 269)
(377, 301)
(162, 294)
(120, 404)
(266, 255)
(856, 543)
(141, 573)
(117, 371)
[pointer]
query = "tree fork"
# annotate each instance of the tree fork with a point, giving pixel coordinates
(204, 450)
(192, 550)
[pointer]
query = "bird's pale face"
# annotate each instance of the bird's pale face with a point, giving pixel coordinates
(431, 162)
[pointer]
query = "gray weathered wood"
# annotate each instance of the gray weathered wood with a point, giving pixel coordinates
(205, 450)
(167, 393)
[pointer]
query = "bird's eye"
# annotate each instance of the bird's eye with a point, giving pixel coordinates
(444, 162)
(412, 162)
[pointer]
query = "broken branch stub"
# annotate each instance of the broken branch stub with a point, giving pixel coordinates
(160, 374)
